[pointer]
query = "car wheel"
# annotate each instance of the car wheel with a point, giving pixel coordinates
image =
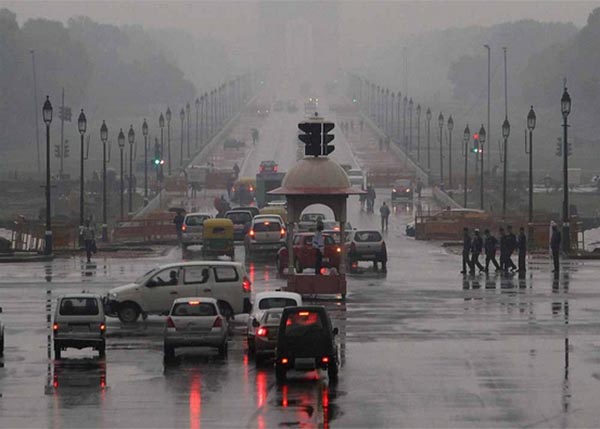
(128, 312)
(169, 352)
(223, 349)
(298, 266)
(280, 373)
(332, 370)
(56, 352)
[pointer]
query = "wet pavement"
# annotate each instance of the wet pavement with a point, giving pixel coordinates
(422, 346)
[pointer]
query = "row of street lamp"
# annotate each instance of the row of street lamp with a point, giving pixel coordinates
(378, 103)
(213, 109)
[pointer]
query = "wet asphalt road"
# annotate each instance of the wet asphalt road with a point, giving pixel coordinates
(421, 347)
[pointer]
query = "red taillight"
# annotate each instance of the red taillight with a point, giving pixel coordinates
(183, 227)
(262, 332)
(170, 323)
(218, 322)
(55, 327)
(338, 249)
(275, 169)
(325, 359)
(251, 188)
(102, 327)
(284, 360)
(251, 233)
(282, 232)
(246, 285)
(303, 313)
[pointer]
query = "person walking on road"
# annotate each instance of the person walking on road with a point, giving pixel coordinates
(490, 243)
(319, 244)
(254, 136)
(419, 187)
(555, 241)
(89, 240)
(178, 221)
(512, 246)
(384, 210)
(236, 170)
(522, 247)
(466, 261)
(503, 249)
(476, 248)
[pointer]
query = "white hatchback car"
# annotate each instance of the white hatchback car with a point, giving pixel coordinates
(195, 322)
(192, 230)
(266, 233)
(264, 301)
(155, 291)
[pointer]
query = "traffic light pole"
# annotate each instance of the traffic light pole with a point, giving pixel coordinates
(62, 129)
(104, 201)
(566, 227)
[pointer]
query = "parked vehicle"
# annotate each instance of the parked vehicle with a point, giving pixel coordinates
(305, 255)
(155, 291)
(264, 301)
(265, 234)
(195, 322)
(193, 228)
(306, 341)
(79, 322)
(241, 222)
(366, 245)
(402, 189)
(308, 221)
(218, 238)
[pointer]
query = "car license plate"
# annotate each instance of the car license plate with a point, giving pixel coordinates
(80, 328)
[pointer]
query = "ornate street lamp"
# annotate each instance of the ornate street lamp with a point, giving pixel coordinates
(466, 139)
(505, 134)
(104, 138)
(482, 137)
(121, 142)
(565, 108)
(145, 133)
(131, 140)
(450, 128)
(428, 117)
(187, 108)
(168, 116)
(81, 126)
(419, 134)
(531, 119)
(441, 125)
(197, 119)
(410, 112)
(47, 115)
(182, 117)
(161, 124)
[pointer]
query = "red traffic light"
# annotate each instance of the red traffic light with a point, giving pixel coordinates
(476, 136)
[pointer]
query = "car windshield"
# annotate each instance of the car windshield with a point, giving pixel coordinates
(402, 184)
(74, 306)
(311, 217)
(303, 322)
(267, 226)
(276, 302)
(195, 220)
(239, 217)
(365, 236)
(194, 308)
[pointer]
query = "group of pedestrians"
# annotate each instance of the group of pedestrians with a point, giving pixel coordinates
(509, 243)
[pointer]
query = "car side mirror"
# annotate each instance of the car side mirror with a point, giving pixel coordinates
(255, 323)
(335, 331)
(0, 309)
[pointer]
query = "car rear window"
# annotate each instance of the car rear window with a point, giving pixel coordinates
(366, 236)
(267, 226)
(79, 307)
(267, 303)
(311, 217)
(194, 308)
(273, 317)
(302, 323)
(195, 220)
(226, 274)
(239, 217)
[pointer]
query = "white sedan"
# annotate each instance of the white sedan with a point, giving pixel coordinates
(264, 301)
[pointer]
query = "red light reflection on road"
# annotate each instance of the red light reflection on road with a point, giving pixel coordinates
(251, 270)
(261, 388)
(325, 403)
(195, 401)
(284, 396)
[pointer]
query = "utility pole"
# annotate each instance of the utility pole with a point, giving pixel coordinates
(489, 139)
(62, 129)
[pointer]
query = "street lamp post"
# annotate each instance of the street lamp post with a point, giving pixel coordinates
(182, 117)
(450, 128)
(131, 140)
(399, 98)
(168, 115)
(531, 119)
(418, 133)
(82, 126)
(565, 108)
(47, 115)
(391, 131)
(121, 141)
(386, 123)
(505, 134)
(441, 125)
(482, 137)
(404, 141)
(145, 133)
(187, 108)
(197, 119)
(466, 138)
(428, 117)
(161, 124)
(104, 138)
(410, 112)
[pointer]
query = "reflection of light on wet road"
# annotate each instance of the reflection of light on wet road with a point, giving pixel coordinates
(261, 388)
(252, 271)
(195, 401)
(284, 396)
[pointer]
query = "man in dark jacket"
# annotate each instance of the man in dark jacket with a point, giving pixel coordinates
(466, 261)
(476, 248)
(512, 246)
(522, 246)
(490, 244)
(555, 241)
(503, 249)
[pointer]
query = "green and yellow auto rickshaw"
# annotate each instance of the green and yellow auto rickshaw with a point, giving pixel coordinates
(218, 238)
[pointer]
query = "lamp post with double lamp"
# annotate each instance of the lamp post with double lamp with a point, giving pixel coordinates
(187, 109)
(418, 133)
(182, 117)
(505, 134)
(121, 141)
(531, 119)
(168, 116)
(482, 137)
(399, 98)
(410, 112)
(404, 140)
(565, 108)
(450, 128)
(441, 125)
(197, 123)
(386, 122)
(131, 140)
(161, 124)
(391, 131)
(428, 117)
(104, 138)
(466, 139)
(82, 126)
(47, 115)
(145, 133)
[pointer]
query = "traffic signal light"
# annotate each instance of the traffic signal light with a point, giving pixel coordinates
(311, 137)
(475, 148)
(66, 149)
(328, 138)
(57, 151)
(559, 147)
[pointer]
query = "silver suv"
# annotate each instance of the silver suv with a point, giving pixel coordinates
(79, 322)
(366, 245)
(192, 230)
(266, 233)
